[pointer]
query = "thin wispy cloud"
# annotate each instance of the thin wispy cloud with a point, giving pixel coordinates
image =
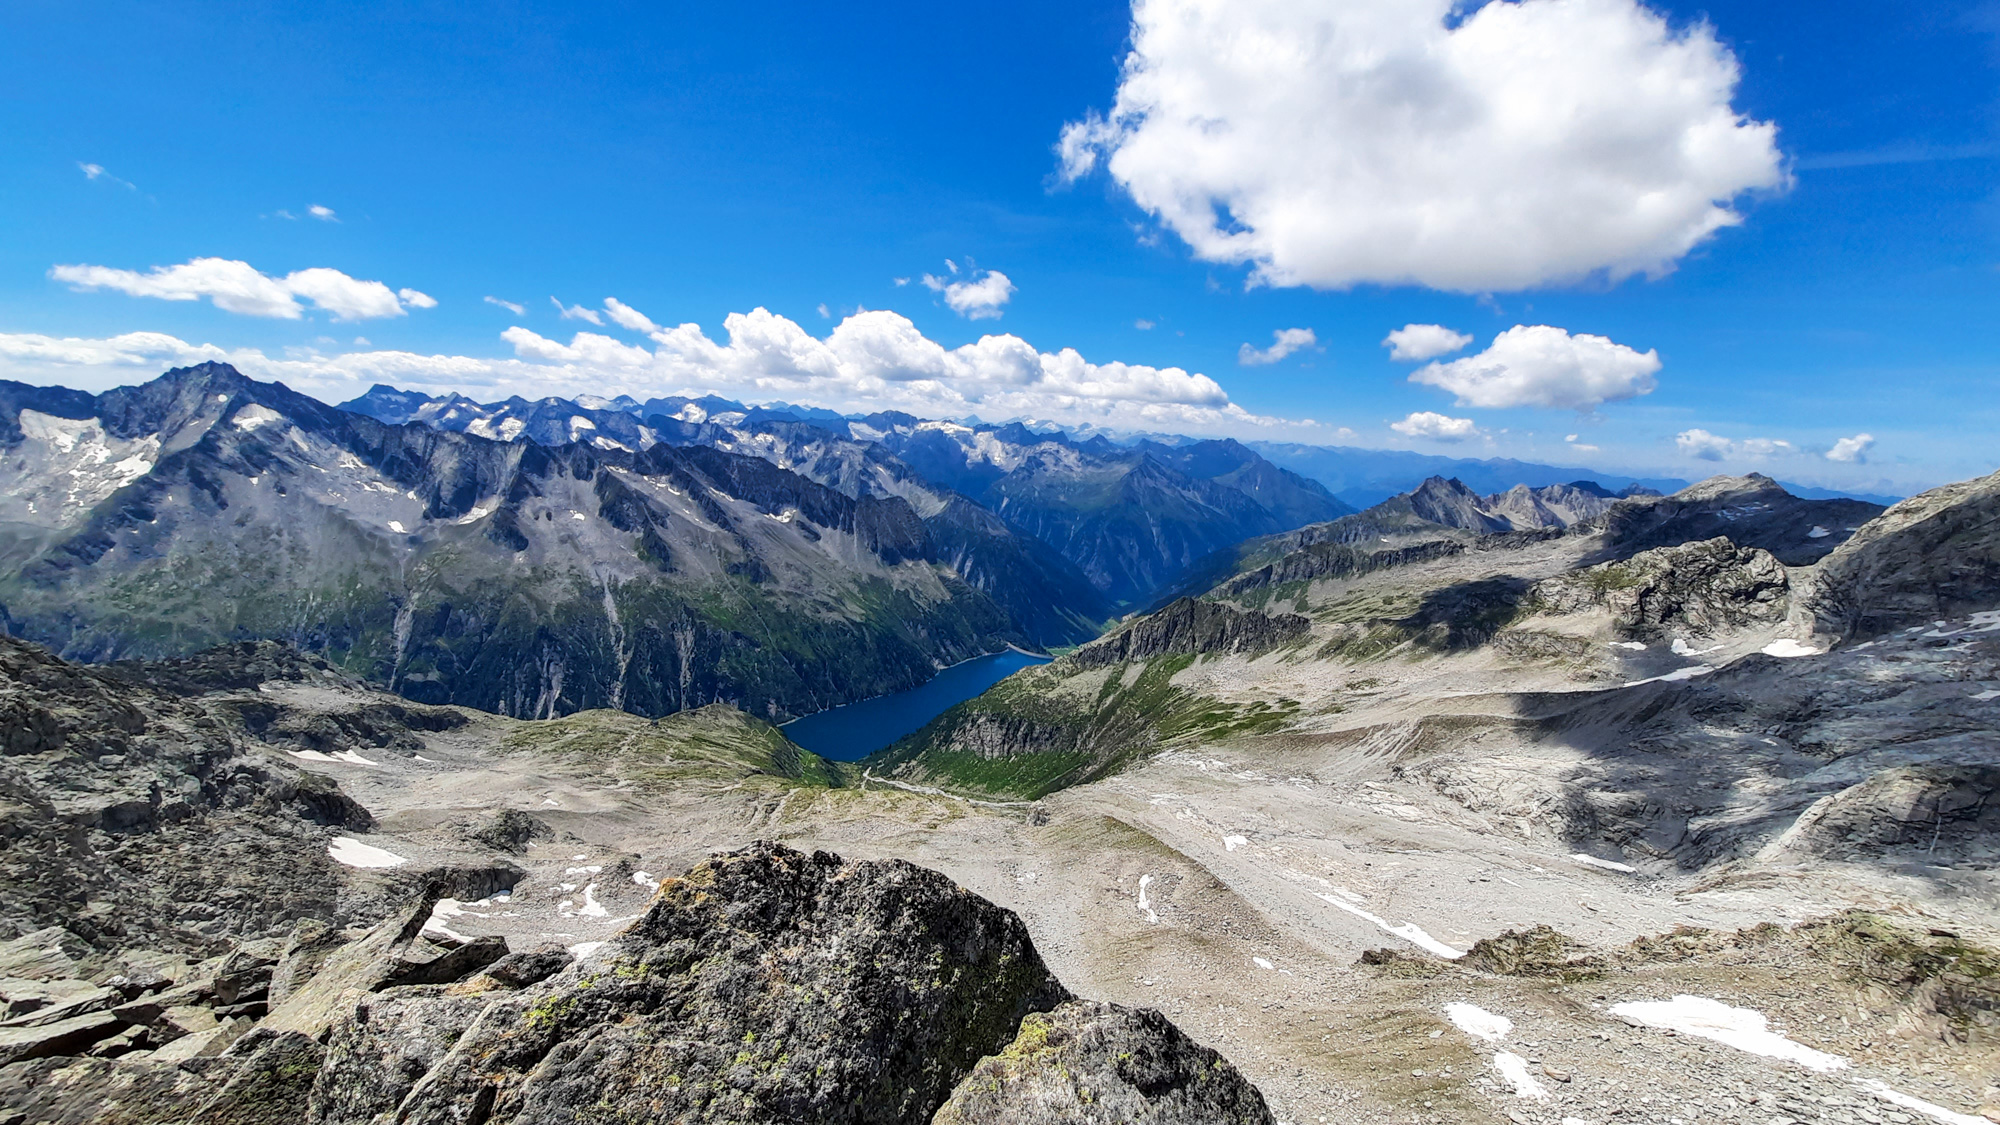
(576, 312)
(510, 306)
(97, 172)
(323, 213)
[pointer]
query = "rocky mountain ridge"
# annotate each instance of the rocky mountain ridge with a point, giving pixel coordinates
(528, 580)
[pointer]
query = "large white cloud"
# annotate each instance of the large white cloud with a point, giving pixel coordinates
(872, 360)
(1335, 142)
(1852, 450)
(238, 287)
(1537, 365)
(1436, 427)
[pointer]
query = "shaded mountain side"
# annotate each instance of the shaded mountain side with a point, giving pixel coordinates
(1293, 500)
(1131, 527)
(1929, 558)
(1131, 518)
(1045, 594)
(1051, 601)
(1751, 511)
(506, 576)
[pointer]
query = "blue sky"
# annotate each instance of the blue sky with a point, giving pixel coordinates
(697, 161)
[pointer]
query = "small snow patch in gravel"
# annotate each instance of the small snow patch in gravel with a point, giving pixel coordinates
(1682, 648)
(1986, 695)
(584, 949)
(645, 879)
(1675, 676)
(397, 527)
(1407, 931)
(1818, 532)
(1514, 1069)
(1146, 907)
(1262, 962)
(1928, 1109)
(354, 853)
(1606, 864)
(1478, 1022)
(1788, 648)
(1635, 646)
(1741, 1028)
(353, 759)
(1231, 843)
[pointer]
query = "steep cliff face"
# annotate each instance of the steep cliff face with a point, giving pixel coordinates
(1050, 600)
(513, 577)
(1193, 628)
(1929, 558)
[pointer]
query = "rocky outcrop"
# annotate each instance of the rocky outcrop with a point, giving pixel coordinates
(1088, 1061)
(1909, 806)
(1324, 561)
(1696, 588)
(764, 985)
(1751, 511)
(1930, 558)
(1194, 627)
(134, 817)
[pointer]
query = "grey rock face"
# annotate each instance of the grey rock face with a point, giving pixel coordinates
(764, 985)
(1089, 1061)
(1751, 511)
(1190, 626)
(1696, 588)
(1931, 557)
(138, 818)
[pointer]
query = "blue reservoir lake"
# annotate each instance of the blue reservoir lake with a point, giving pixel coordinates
(852, 732)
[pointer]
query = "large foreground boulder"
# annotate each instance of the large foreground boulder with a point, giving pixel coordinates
(764, 985)
(1091, 1062)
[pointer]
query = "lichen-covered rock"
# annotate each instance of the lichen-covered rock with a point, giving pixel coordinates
(1093, 1062)
(1696, 588)
(764, 985)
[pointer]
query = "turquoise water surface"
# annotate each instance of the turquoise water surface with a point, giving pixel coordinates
(852, 732)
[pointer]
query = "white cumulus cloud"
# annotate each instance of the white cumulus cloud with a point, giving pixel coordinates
(1418, 342)
(1704, 446)
(1284, 342)
(1436, 427)
(1335, 142)
(1853, 450)
(871, 360)
(323, 214)
(982, 296)
(239, 288)
(1537, 365)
